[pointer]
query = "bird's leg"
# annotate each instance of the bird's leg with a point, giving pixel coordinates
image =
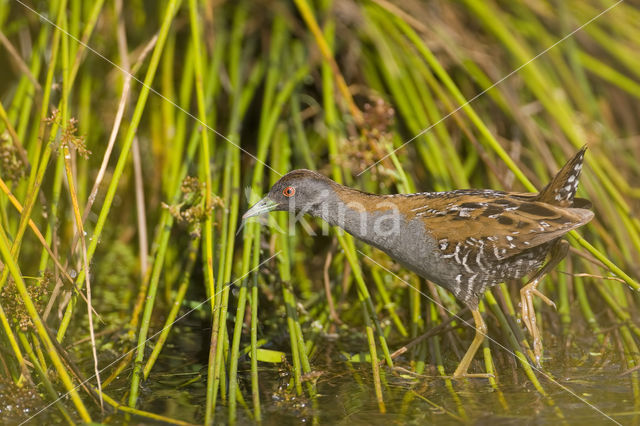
(481, 331)
(558, 252)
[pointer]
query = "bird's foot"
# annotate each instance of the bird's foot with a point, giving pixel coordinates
(545, 299)
(529, 315)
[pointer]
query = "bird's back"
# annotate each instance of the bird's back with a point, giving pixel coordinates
(484, 237)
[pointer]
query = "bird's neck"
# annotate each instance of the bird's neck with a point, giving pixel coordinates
(368, 217)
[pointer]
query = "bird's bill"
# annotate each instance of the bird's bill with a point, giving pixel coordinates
(261, 207)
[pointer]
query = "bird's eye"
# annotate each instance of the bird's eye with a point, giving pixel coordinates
(289, 191)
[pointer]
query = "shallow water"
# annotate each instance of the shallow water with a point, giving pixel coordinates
(582, 388)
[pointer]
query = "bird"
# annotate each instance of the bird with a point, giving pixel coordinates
(464, 240)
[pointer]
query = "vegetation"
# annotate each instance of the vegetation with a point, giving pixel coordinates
(134, 134)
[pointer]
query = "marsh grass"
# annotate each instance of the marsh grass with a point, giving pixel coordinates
(125, 166)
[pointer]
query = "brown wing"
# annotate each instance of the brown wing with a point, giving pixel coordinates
(503, 224)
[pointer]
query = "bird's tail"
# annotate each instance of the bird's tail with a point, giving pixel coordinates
(562, 188)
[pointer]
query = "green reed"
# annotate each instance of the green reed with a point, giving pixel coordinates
(223, 99)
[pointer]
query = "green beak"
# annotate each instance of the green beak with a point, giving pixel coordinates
(261, 207)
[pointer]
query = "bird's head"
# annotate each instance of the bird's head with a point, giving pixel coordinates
(299, 190)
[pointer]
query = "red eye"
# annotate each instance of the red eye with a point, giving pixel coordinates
(289, 191)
